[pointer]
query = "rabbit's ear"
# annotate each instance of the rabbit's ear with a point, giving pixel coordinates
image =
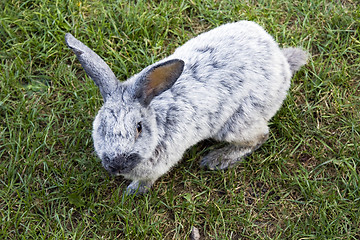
(94, 66)
(157, 80)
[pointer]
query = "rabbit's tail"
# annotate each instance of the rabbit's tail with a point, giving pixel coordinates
(296, 58)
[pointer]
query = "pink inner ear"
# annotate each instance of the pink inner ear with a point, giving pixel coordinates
(160, 76)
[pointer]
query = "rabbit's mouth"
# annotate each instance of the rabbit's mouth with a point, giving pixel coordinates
(121, 164)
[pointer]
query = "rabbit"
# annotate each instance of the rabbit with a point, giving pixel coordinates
(224, 84)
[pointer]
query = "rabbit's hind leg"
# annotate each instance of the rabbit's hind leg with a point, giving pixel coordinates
(239, 147)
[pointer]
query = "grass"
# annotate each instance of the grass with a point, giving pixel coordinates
(302, 184)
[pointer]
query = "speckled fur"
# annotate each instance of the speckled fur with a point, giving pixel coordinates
(234, 79)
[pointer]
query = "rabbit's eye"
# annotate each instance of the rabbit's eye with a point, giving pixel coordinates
(139, 128)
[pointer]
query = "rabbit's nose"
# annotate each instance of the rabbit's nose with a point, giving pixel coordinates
(113, 165)
(113, 170)
(110, 165)
(122, 163)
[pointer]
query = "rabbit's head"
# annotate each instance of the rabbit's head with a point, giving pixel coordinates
(125, 129)
(124, 134)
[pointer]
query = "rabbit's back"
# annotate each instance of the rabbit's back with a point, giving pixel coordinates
(237, 66)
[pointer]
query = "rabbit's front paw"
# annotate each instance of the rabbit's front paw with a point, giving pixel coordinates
(138, 188)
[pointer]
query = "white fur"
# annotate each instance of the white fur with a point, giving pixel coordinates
(233, 80)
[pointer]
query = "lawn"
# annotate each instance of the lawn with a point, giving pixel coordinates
(303, 183)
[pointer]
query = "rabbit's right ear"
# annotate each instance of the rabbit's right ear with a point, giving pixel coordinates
(94, 66)
(158, 79)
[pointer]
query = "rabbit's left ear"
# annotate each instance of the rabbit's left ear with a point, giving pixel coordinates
(157, 80)
(94, 66)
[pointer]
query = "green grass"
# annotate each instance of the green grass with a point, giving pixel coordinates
(302, 184)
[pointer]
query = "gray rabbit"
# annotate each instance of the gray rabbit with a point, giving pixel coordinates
(225, 84)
